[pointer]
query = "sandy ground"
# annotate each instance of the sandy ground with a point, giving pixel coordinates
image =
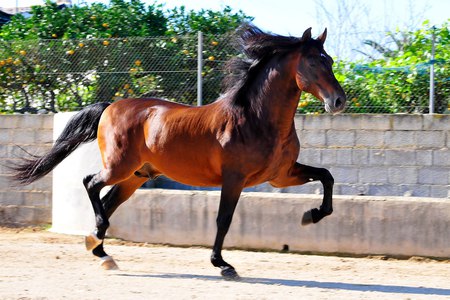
(37, 264)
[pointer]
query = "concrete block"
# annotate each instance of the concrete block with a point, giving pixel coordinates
(352, 189)
(377, 157)
(328, 157)
(30, 122)
(379, 189)
(345, 174)
(44, 136)
(21, 136)
(8, 197)
(414, 190)
(4, 169)
(400, 158)
(313, 138)
(436, 122)
(299, 122)
(440, 191)
(400, 139)
(402, 175)
(307, 188)
(424, 157)
(360, 157)
(11, 151)
(316, 122)
(3, 151)
(430, 139)
(26, 198)
(441, 158)
(9, 121)
(5, 136)
(344, 157)
(371, 174)
(346, 122)
(310, 156)
(376, 122)
(43, 184)
(407, 122)
(369, 139)
(340, 138)
(24, 215)
(434, 175)
(47, 122)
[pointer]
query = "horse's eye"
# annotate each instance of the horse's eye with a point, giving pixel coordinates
(323, 55)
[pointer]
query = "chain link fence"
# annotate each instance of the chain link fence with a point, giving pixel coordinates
(61, 75)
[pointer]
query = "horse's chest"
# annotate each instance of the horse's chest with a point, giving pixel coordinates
(264, 162)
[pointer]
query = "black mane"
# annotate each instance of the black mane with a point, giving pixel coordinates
(257, 46)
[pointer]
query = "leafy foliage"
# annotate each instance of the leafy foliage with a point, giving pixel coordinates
(398, 82)
(64, 59)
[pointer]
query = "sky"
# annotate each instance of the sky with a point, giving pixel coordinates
(292, 17)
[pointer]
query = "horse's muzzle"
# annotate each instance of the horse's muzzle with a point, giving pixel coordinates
(335, 104)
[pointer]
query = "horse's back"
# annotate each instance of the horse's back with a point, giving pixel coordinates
(139, 104)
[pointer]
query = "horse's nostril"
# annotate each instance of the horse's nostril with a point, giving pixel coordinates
(338, 102)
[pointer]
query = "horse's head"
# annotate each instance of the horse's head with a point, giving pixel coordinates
(315, 74)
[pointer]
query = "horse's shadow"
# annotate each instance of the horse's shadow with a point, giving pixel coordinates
(381, 288)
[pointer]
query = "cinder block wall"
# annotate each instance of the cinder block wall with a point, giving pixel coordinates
(382, 155)
(24, 204)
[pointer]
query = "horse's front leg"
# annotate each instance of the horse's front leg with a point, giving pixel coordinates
(300, 174)
(231, 190)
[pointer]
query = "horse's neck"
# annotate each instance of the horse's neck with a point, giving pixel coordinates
(278, 95)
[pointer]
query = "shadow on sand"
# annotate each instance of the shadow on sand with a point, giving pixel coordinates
(381, 288)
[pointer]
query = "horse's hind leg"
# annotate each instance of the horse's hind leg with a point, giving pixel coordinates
(117, 195)
(94, 184)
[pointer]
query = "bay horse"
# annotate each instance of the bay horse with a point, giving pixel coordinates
(244, 138)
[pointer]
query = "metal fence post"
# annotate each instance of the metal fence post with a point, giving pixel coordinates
(431, 104)
(199, 68)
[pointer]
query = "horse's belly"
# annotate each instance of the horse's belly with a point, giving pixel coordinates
(188, 167)
(190, 174)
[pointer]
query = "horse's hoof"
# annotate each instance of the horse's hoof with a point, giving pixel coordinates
(307, 218)
(92, 241)
(108, 263)
(229, 274)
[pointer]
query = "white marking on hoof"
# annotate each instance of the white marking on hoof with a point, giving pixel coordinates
(108, 263)
(92, 241)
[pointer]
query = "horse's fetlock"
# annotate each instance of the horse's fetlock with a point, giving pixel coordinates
(216, 260)
(326, 211)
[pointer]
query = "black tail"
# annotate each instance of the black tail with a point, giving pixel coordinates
(81, 128)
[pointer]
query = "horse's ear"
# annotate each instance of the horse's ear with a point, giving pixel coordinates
(306, 35)
(323, 36)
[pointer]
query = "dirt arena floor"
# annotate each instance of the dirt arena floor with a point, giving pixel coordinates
(37, 264)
